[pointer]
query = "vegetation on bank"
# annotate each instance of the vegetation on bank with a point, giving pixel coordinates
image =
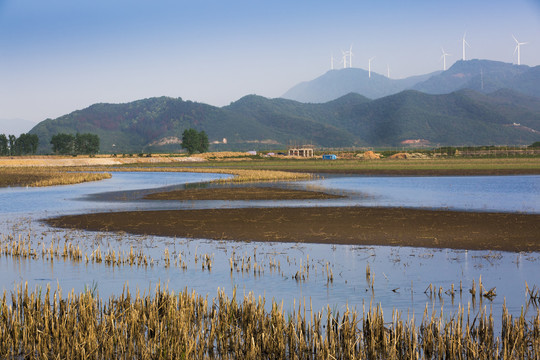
(36, 177)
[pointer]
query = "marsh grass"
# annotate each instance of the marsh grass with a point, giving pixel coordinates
(165, 324)
(36, 177)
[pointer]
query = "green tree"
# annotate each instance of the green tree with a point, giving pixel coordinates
(203, 142)
(63, 143)
(86, 144)
(4, 149)
(11, 139)
(194, 141)
(190, 140)
(26, 144)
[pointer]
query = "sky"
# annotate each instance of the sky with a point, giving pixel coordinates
(58, 56)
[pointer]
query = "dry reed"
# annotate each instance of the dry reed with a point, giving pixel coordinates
(165, 324)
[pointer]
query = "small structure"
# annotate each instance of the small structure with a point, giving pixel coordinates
(305, 151)
(329, 157)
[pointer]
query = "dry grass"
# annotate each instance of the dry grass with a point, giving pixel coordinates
(165, 324)
(239, 175)
(30, 176)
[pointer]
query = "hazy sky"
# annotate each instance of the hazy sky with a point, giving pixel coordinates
(57, 56)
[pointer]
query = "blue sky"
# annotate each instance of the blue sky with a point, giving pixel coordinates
(57, 56)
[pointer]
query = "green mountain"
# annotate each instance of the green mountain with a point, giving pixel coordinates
(460, 118)
(464, 117)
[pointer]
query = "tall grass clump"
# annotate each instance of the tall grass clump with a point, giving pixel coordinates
(165, 324)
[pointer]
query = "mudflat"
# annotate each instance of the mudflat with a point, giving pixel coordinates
(331, 225)
(241, 193)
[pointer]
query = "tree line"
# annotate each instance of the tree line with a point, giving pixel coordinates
(11, 145)
(69, 144)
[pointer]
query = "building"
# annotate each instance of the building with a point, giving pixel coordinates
(306, 151)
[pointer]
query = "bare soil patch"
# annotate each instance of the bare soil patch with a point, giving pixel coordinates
(330, 225)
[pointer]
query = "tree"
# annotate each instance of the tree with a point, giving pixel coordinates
(11, 139)
(63, 143)
(203, 142)
(4, 149)
(86, 143)
(190, 140)
(25, 144)
(79, 144)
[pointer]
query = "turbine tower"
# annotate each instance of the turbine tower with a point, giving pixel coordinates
(350, 56)
(388, 71)
(464, 43)
(369, 66)
(518, 49)
(344, 61)
(332, 62)
(444, 55)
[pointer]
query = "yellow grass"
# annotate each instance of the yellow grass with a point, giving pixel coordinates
(29, 176)
(45, 324)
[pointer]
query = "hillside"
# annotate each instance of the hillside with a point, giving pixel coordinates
(464, 117)
(460, 118)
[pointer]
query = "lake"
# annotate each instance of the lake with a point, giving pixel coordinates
(400, 275)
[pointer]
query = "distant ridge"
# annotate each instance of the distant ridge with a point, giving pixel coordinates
(481, 75)
(484, 76)
(336, 83)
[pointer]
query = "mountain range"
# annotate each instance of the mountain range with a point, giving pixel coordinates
(481, 75)
(502, 106)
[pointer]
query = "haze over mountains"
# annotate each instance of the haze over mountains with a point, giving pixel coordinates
(476, 102)
(481, 75)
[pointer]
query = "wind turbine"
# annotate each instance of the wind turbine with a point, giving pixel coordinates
(388, 71)
(518, 49)
(369, 66)
(444, 55)
(350, 56)
(332, 62)
(344, 59)
(464, 43)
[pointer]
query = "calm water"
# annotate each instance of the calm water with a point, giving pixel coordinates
(401, 275)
